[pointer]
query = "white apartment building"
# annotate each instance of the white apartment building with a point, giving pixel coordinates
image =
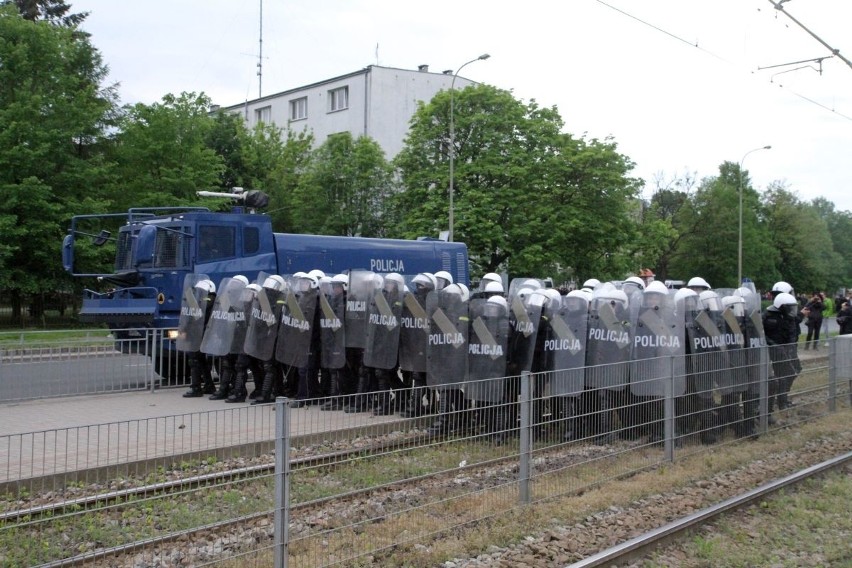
(376, 101)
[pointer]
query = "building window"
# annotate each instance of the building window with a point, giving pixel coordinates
(338, 99)
(263, 114)
(299, 109)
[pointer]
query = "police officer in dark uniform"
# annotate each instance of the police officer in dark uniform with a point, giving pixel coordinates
(781, 326)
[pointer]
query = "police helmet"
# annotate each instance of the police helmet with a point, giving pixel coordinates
(613, 296)
(576, 300)
(424, 280)
(300, 274)
(591, 283)
(395, 278)
(498, 301)
(490, 277)
(734, 303)
(537, 298)
(308, 282)
(524, 293)
(743, 292)
(443, 278)
(782, 288)
(697, 282)
(317, 273)
(378, 281)
(784, 299)
(583, 292)
(254, 288)
(710, 300)
(532, 283)
(684, 293)
(657, 287)
(341, 279)
(553, 295)
(494, 287)
(241, 278)
(635, 280)
(465, 292)
(207, 285)
(274, 282)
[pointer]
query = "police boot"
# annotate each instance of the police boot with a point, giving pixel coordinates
(195, 390)
(334, 402)
(441, 425)
(707, 421)
(606, 435)
(415, 406)
(770, 409)
(266, 390)
(358, 402)
(746, 428)
(568, 419)
(383, 403)
(239, 392)
(206, 374)
(225, 381)
(729, 413)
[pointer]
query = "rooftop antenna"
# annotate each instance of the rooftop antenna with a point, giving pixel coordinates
(260, 55)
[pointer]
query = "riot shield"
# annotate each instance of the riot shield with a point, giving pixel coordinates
(519, 284)
(219, 333)
(489, 336)
(297, 320)
(357, 302)
(566, 345)
(608, 345)
(734, 323)
(264, 319)
(446, 354)
(194, 304)
(242, 310)
(705, 333)
(414, 335)
(332, 330)
(658, 347)
(524, 321)
(383, 327)
(757, 352)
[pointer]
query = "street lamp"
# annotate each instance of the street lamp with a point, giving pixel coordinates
(740, 241)
(482, 57)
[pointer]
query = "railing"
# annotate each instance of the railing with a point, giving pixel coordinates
(357, 488)
(37, 365)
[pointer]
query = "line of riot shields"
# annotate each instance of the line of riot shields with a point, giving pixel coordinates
(600, 361)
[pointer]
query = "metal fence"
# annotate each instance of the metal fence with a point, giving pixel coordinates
(45, 364)
(301, 486)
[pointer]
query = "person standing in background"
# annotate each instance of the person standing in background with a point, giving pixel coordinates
(814, 321)
(829, 311)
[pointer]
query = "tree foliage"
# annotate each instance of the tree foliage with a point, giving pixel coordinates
(52, 11)
(344, 190)
(53, 112)
(527, 197)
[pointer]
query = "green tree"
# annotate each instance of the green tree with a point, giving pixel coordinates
(839, 224)
(708, 225)
(801, 238)
(344, 189)
(53, 112)
(528, 197)
(53, 11)
(163, 153)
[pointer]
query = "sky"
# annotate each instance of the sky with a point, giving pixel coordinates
(679, 85)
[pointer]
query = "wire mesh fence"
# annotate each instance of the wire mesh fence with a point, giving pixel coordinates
(309, 484)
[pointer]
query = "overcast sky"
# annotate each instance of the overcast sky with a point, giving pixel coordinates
(675, 83)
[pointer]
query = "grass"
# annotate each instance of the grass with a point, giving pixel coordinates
(808, 525)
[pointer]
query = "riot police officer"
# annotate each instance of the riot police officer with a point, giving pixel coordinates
(780, 323)
(203, 295)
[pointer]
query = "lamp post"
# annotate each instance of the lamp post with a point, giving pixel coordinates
(482, 57)
(740, 240)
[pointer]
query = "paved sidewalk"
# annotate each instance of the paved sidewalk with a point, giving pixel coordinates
(52, 436)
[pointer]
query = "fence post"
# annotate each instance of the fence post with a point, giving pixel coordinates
(526, 438)
(763, 390)
(281, 522)
(155, 353)
(832, 376)
(669, 414)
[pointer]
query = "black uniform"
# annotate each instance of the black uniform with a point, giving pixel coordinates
(782, 333)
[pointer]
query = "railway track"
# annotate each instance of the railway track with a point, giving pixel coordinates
(322, 460)
(637, 547)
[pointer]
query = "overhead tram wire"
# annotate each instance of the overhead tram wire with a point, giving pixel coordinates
(720, 58)
(836, 52)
